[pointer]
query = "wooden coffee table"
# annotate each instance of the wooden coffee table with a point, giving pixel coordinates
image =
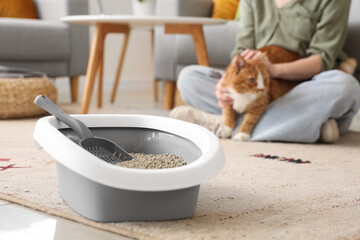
(123, 24)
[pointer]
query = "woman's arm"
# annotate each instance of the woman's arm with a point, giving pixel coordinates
(301, 69)
(330, 33)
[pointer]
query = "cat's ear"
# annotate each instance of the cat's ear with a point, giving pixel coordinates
(239, 62)
(264, 58)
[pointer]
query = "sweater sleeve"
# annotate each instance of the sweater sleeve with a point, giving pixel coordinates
(330, 33)
(245, 37)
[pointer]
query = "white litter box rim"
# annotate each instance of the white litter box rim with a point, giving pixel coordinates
(74, 157)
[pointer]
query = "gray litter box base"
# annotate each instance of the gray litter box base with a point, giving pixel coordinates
(106, 204)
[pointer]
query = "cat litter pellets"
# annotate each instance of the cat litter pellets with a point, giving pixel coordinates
(153, 161)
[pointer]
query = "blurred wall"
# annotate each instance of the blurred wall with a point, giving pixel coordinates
(138, 60)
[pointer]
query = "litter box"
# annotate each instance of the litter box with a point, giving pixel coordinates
(107, 193)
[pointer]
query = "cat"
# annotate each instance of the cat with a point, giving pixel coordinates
(252, 89)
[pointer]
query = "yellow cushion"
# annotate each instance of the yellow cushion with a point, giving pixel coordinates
(225, 9)
(18, 9)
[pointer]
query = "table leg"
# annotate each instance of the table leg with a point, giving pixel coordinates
(196, 31)
(120, 66)
(200, 45)
(155, 83)
(96, 58)
(100, 83)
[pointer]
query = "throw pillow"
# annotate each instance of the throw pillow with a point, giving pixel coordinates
(225, 9)
(18, 9)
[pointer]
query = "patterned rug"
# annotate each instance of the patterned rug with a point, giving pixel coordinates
(265, 191)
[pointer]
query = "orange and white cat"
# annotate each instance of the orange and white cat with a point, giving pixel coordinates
(252, 89)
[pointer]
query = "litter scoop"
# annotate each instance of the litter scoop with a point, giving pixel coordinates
(100, 147)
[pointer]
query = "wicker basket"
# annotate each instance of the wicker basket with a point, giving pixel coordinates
(17, 96)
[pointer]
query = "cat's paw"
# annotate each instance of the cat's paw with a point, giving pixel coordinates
(241, 137)
(224, 132)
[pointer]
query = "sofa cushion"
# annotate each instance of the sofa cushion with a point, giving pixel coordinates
(51, 68)
(18, 9)
(23, 39)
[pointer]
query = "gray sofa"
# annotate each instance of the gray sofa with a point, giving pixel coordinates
(47, 44)
(173, 52)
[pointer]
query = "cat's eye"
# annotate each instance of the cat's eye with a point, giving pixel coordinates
(266, 79)
(252, 80)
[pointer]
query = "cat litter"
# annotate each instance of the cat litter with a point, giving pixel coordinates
(153, 161)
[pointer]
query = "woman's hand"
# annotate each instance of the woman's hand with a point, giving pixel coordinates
(254, 54)
(222, 93)
(251, 54)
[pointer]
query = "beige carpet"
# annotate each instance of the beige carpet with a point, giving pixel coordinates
(252, 198)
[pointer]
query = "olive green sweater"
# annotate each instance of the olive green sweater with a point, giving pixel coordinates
(306, 27)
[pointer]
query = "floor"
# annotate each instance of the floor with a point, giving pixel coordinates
(17, 222)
